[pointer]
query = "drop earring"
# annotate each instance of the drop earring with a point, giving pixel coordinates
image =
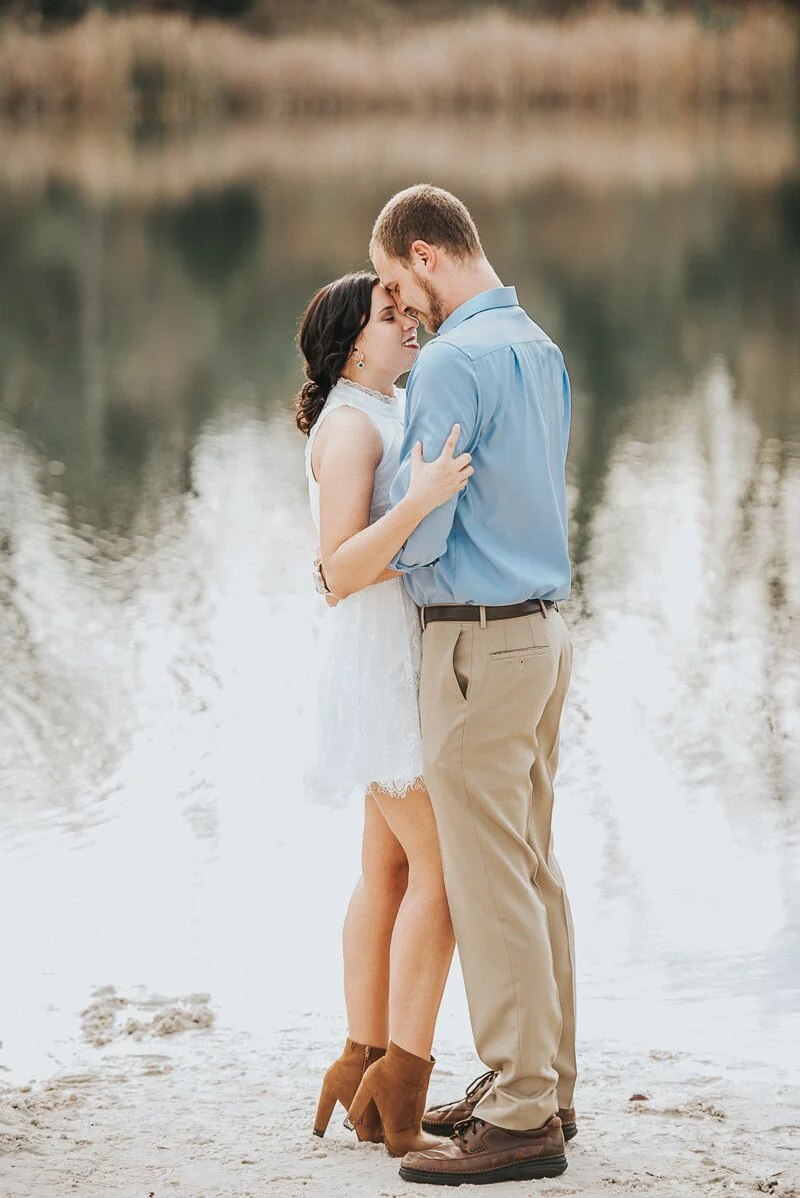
(360, 363)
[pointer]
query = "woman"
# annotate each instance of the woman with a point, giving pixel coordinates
(397, 938)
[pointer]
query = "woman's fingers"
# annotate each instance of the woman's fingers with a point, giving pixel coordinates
(447, 475)
(449, 446)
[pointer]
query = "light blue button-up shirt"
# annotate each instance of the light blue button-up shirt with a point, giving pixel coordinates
(504, 538)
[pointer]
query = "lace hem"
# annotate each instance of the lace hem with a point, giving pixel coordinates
(399, 790)
(337, 792)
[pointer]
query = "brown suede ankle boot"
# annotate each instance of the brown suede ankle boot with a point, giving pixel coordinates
(341, 1082)
(396, 1087)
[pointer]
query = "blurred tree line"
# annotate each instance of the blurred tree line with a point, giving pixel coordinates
(291, 16)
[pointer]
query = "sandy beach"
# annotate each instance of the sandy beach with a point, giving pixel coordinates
(168, 1106)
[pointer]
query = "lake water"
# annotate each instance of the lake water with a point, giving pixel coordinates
(158, 624)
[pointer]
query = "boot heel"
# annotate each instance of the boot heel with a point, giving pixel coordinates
(327, 1101)
(360, 1107)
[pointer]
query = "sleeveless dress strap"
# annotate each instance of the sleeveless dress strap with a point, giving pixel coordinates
(344, 397)
(331, 405)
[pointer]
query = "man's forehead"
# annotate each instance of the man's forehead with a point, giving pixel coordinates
(386, 268)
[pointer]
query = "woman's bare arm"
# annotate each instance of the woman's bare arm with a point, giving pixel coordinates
(355, 553)
(345, 456)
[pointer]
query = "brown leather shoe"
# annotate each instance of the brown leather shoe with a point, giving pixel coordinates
(482, 1153)
(394, 1089)
(341, 1081)
(442, 1120)
(568, 1124)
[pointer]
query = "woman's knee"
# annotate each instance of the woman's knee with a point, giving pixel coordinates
(426, 882)
(385, 879)
(425, 862)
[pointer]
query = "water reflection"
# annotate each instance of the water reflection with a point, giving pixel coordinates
(158, 628)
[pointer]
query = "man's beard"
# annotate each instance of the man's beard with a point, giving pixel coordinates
(436, 314)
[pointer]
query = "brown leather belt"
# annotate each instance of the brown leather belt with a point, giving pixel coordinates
(456, 611)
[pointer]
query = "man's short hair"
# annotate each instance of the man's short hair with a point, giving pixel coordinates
(425, 213)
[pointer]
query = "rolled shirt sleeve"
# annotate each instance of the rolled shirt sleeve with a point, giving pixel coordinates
(442, 391)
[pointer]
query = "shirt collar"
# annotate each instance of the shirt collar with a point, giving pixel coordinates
(496, 297)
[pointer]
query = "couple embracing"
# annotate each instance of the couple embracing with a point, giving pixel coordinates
(443, 535)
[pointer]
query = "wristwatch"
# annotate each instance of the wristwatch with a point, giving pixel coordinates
(320, 585)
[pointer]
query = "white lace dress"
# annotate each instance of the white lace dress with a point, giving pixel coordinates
(368, 727)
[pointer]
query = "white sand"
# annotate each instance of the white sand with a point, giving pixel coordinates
(202, 1113)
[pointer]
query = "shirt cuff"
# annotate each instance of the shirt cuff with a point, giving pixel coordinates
(402, 568)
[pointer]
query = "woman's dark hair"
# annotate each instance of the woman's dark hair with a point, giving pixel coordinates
(328, 331)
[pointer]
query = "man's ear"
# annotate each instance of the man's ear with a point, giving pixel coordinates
(423, 255)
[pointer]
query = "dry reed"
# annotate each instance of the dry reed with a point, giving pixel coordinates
(123, 68)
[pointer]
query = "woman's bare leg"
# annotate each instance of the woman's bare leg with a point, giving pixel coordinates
(422, 941)
(368, 926)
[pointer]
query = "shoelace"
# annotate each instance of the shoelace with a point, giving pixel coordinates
(479, 1081)
(467, 1127)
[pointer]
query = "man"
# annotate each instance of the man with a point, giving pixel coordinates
(487, 571)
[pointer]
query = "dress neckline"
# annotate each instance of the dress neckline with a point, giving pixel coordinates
(386, 401)
(374, 401)
(381, 395)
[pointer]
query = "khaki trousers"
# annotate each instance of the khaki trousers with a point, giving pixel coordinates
(491, 703)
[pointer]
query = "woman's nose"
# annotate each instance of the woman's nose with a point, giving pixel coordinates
(410, 323)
